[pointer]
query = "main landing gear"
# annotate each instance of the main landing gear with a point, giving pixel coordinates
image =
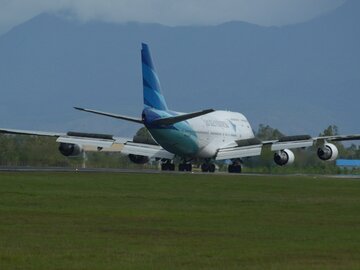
(208, 167)
(168, 166)
(185, 167)
(235, 167)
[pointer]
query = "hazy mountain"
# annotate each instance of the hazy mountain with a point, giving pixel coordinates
(298, 78)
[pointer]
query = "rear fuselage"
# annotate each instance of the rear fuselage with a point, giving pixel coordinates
(199, 137)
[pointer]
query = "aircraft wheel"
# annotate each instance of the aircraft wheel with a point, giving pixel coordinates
(212, 167)
(234, 168)
(167, 166)
(204, 167)
(188, 167)
(164, 167)
(185, 167)
(208, 167)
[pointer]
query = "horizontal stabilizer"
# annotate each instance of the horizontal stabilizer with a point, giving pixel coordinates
(175, 119)
(117, 116)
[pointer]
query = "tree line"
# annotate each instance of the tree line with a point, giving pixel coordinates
(21, 150)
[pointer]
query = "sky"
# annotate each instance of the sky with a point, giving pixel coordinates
(169, 12)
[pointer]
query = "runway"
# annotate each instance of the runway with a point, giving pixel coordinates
(154, 171)
(87, 170)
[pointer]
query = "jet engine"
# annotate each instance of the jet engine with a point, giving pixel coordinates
(138, 159)
(284, 157)
(70, 149)
(328, 152)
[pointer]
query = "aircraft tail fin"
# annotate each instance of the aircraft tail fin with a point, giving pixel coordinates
(151, 84)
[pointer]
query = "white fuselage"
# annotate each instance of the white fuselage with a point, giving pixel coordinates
(219, 129)
(203, 136)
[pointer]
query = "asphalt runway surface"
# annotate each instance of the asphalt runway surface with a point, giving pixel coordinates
(153, 171)
(66, 169)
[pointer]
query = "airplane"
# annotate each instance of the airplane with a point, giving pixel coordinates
(207, 136)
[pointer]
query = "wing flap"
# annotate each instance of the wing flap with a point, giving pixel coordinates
(86, 141)
(239, 152)
(151, 151)
(291, 145)
(117, 148)
(90, 135)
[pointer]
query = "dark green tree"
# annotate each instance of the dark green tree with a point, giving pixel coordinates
(268, 133)
(331, 130)
(144, 136)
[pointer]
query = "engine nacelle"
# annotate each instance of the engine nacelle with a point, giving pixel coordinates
(138, 159)
(70, 149)
(284, 157)
(328, 152)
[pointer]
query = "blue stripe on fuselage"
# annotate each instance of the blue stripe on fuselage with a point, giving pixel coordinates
(178, 138)
(179, 142)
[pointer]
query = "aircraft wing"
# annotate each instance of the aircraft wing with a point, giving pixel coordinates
(149, 150)
(253, 147)
(100, 142)
(337, 138)
(240, 149)
(90, 141)
(117, 144)
(31, 132)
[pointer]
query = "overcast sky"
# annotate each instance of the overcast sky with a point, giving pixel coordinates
(170, 12)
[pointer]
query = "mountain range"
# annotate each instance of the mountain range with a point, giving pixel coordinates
(298, 78)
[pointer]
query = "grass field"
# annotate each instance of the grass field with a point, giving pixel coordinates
(167, 221)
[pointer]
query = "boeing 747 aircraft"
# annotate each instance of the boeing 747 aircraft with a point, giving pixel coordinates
(206, 136)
